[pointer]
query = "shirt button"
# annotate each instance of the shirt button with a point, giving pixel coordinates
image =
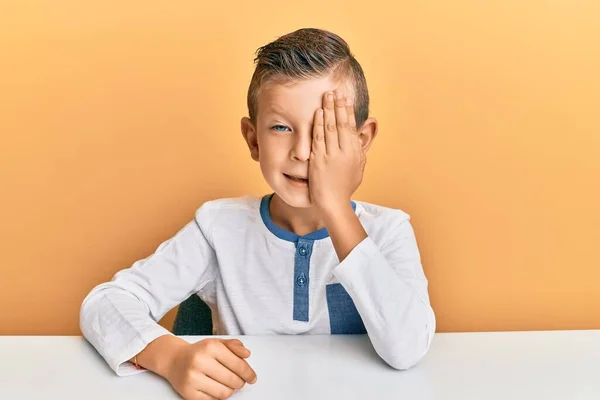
(303, 251)
(301, 280)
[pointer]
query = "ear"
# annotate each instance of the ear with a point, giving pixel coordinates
(366, 133)
(249, 134)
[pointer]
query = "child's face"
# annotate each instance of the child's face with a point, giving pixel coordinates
(283, 134)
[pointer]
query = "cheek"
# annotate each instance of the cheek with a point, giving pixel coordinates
(271, 162)
(273, 150)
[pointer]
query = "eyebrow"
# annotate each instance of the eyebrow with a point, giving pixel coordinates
(275, 110)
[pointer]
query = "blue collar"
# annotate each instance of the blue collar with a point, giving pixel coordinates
(285, 234)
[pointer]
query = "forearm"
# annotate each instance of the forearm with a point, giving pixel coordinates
(120, 318)
(117, 324)
(395, 309)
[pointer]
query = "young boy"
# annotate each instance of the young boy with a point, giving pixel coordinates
(303, 260)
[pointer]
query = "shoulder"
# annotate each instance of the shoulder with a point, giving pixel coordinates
(227, 208)
(377, 214)
(384, 223)
(227, 213)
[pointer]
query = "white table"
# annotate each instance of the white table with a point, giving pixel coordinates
(482, 366)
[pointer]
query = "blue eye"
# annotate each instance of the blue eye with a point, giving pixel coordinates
(276, 128)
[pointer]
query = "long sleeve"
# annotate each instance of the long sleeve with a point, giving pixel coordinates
(119, 318)
(389, 289)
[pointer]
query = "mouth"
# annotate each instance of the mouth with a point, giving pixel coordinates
(297, 179)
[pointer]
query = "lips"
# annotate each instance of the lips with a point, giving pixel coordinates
(296, 178)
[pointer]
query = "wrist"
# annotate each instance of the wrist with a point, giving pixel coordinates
(159, 356)
(337, 212)
(171, 354)
(345, 230)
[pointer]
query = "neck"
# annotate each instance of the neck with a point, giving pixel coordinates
(301, 221)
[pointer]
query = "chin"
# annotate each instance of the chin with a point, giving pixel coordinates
(295, 201)
(293, 196)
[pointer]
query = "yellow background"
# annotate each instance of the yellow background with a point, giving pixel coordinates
(118, 120)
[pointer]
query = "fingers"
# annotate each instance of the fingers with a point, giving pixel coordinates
(235, 341)
(237, 348)
(194, 394)
(236, 365)
(341, 120)
(211, 389)
(318, 142)
(211, 369)
(331, 134)
(351, 114)
(352, 123)
(224, 376)
(198, 396)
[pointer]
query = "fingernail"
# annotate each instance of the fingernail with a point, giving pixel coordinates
(348, 102)
(329, 96)
(338, 94)
(253, 381)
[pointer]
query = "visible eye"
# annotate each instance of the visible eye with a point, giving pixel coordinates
(280, 128)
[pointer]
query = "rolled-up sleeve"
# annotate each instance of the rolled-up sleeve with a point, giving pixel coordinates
(120, 318)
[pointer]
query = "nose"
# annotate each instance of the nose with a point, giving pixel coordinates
(301, 147)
